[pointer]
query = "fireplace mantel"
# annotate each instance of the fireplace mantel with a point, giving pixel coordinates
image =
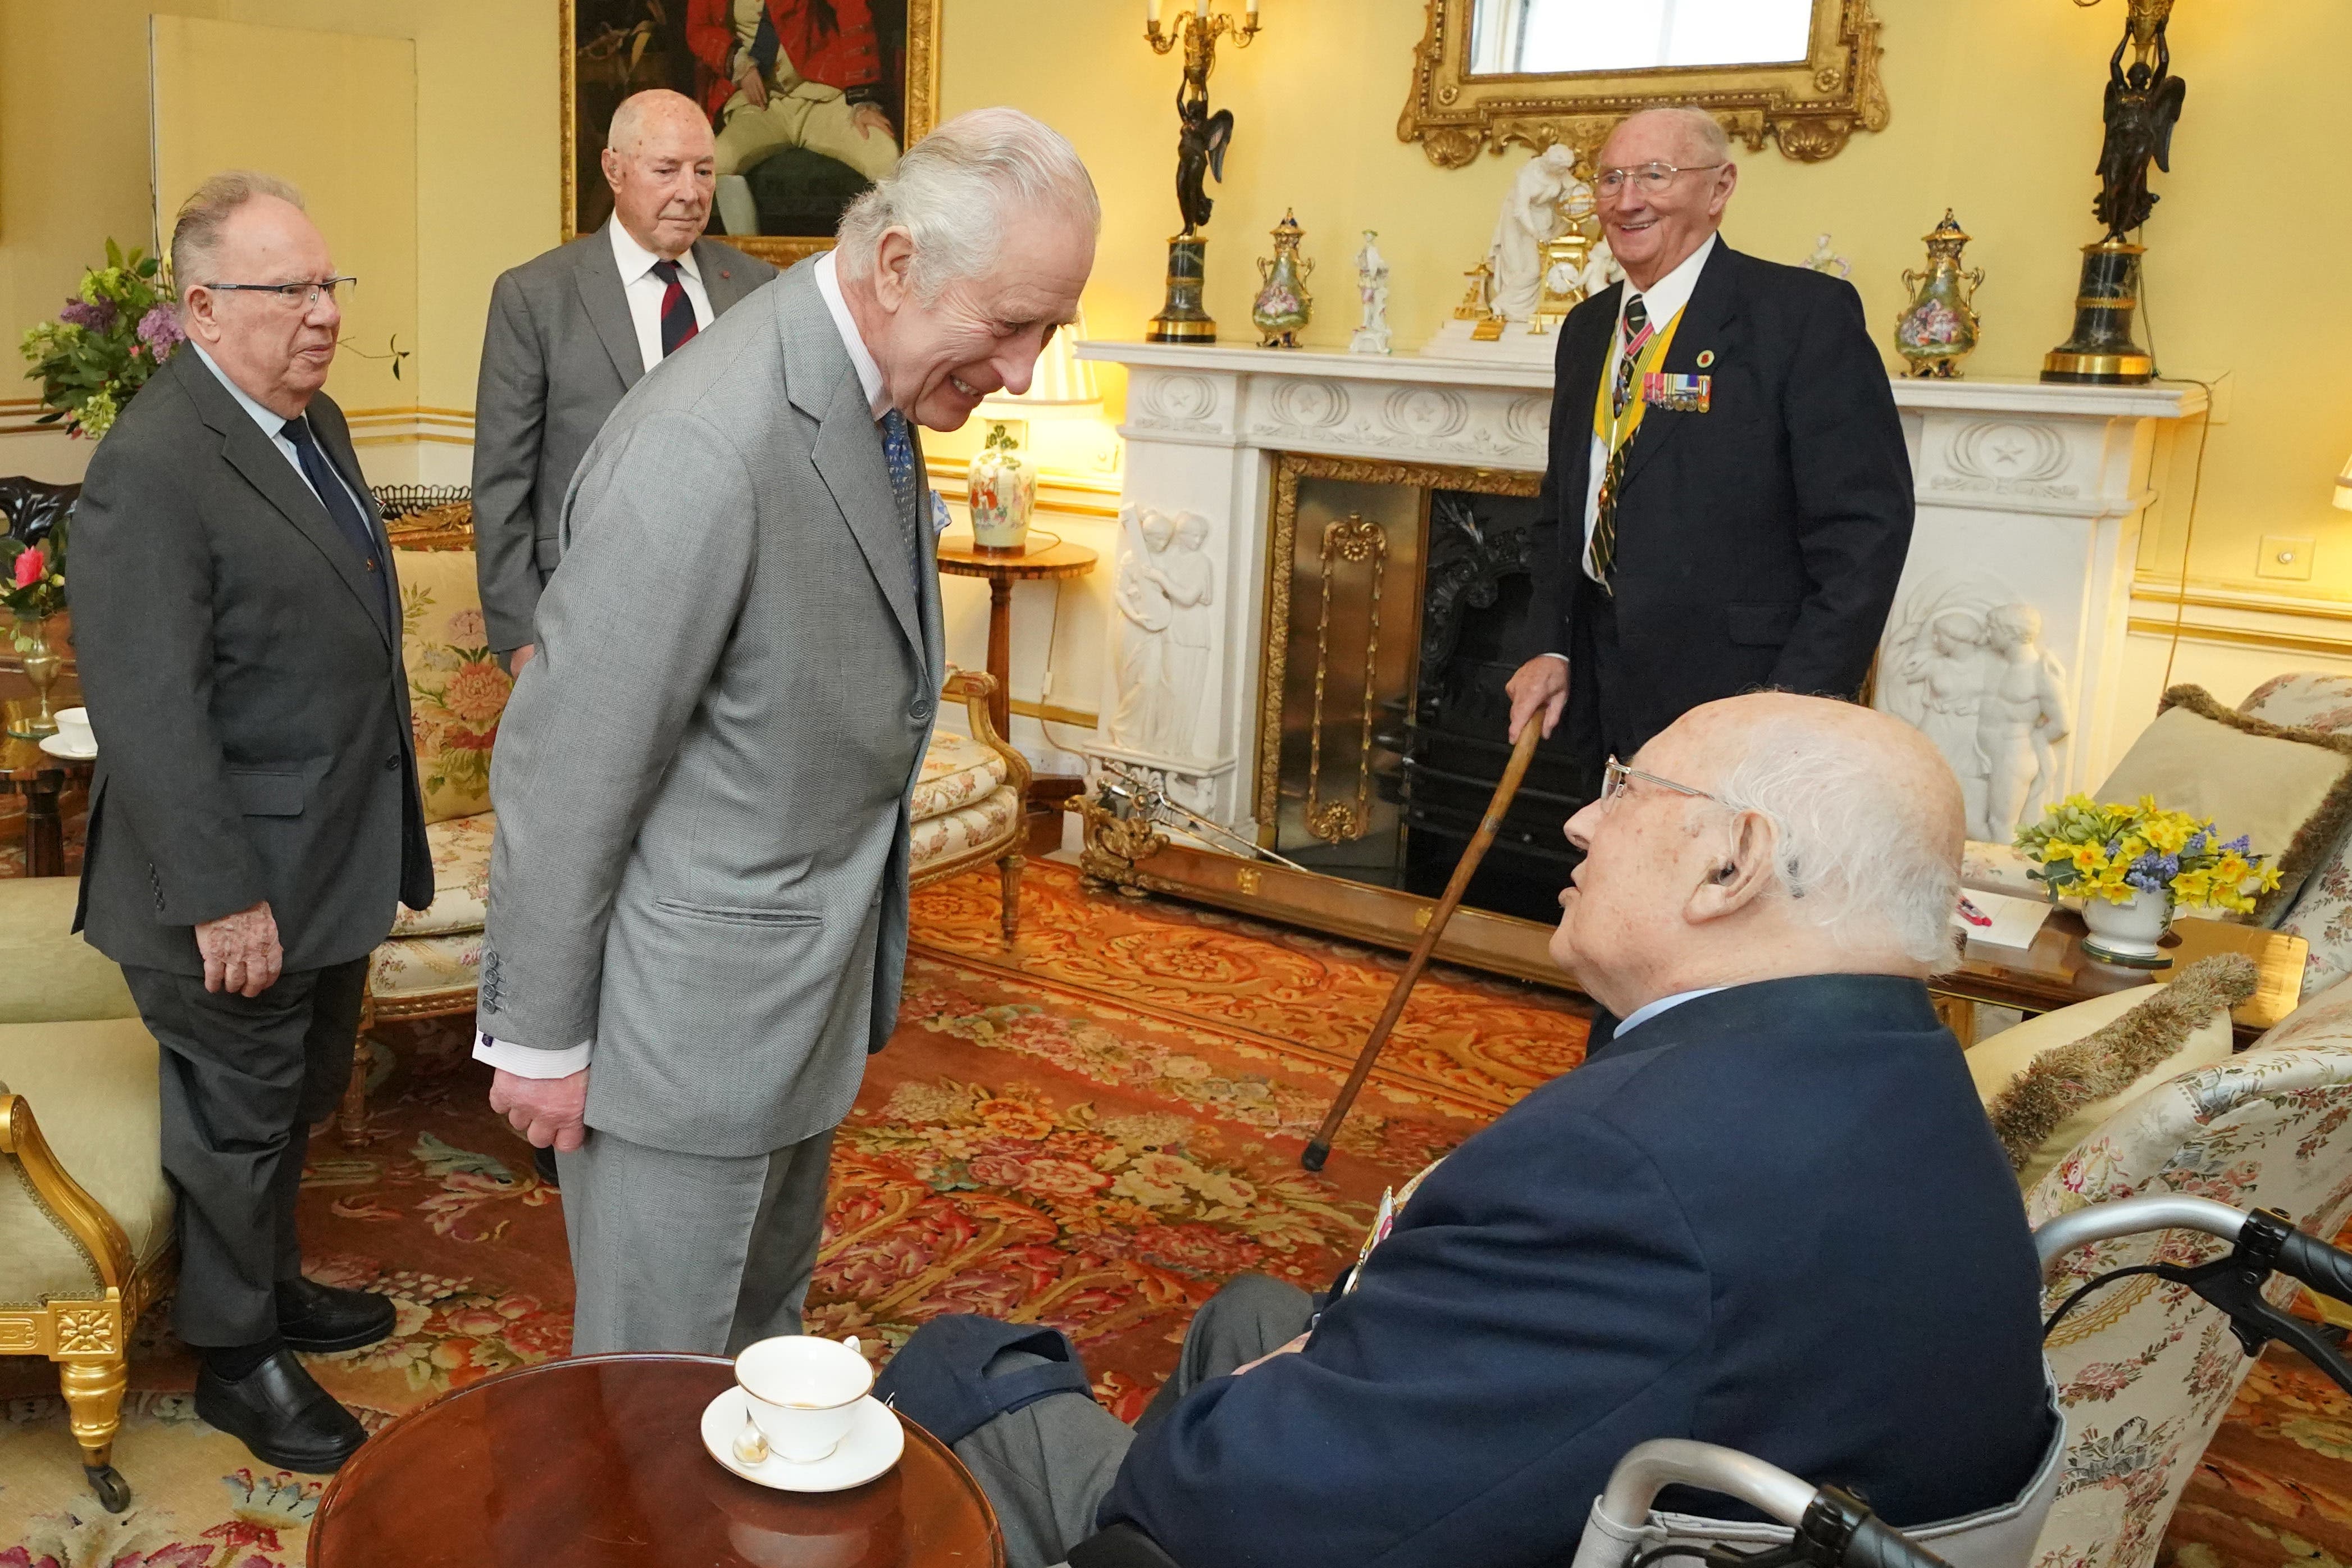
(2028, 494)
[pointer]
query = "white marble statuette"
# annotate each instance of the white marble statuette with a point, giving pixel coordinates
(1963, 665)
(1166, 590)
(1371, 335)
(1531, 215)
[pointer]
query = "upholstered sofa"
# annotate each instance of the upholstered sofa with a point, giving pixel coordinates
(85, 1212)
(967, 810)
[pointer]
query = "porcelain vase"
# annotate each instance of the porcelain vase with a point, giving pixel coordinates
(2129, 931)
(1003, 491)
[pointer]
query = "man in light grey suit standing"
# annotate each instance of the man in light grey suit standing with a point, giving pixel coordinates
(571, 331)
(698, 891)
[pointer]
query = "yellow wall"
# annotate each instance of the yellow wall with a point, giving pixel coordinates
(1996, 113)
(73, 154)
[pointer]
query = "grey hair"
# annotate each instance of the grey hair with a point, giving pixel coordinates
(1699, 126)
(1850, 853)
(197, 231)
(955, 191)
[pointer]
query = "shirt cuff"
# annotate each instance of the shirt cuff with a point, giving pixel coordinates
(1562, 657)
(529, 1061)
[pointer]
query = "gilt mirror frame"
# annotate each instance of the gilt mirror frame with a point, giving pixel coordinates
(1810, 108)
(919, 51)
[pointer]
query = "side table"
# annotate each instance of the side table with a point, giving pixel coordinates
(40, 778)
(2055, 971)
(1044, 557)
(597, 1462)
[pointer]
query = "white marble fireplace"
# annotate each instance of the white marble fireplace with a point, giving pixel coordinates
(2028, 495)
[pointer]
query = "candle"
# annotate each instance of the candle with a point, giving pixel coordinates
(1253, 11)
(1201, 9)
(1151, 10)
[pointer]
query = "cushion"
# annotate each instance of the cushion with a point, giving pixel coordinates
(988, 825)
(2050, 1082)
(2288, 789)
(957, 771)
(421, 965)
(2321, 912)
(456, 690)
(461, 878)
(92, 1089)
(53, 974)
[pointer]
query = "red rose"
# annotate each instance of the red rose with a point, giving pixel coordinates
(29, 567)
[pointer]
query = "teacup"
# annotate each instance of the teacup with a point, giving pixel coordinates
(73, 729)
(804, 1392)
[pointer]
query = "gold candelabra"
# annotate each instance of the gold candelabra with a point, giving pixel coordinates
(1200, 38)
(1200, 143)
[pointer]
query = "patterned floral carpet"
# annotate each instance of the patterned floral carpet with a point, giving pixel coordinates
(1092, 1133)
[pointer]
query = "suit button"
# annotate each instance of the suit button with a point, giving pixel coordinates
(392, 765)
(920, 712)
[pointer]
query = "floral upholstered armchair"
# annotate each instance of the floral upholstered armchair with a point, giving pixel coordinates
(2146, 1370)
(967, 810)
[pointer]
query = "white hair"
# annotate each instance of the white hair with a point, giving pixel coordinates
(957, 190)
(1699, 126)
(197, 231)
(1852, 856)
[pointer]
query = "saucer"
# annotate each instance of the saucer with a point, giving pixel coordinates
(59, 746)
(872, 1446)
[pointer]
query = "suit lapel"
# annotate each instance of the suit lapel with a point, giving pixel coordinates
(1576, 380)
(608, 304)
(718, 279)
(1713, 307)
(849, 448)
(252, 454)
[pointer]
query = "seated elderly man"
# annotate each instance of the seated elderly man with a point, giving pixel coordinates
(1767, 1213)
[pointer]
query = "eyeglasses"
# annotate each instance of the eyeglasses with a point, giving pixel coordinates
(1653, 178)
(1614, 777)
(303, 294)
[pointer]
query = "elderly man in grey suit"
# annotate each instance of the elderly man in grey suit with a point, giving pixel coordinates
(254, 816)
(699, 892)
(571, 331)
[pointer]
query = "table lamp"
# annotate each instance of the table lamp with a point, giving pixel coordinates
(1003, 477)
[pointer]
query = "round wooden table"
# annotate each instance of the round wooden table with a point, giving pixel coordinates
(1043, 556)
(599, 1460)
(40, 778)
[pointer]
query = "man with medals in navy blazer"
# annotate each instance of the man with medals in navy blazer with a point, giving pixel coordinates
(1729, 475)
(255, 815)
(1769, 1213)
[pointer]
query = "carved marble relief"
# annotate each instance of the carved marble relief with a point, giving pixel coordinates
(1962, 662)
(1166, 594)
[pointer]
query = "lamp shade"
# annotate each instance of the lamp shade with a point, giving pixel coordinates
(1062, 385)
(2343, 487)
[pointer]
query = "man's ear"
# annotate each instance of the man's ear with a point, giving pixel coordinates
(610, 161)
(196, 315)
(894, 259)
(1742, 875)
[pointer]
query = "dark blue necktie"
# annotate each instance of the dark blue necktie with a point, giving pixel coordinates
(341, 507)
(898, 452)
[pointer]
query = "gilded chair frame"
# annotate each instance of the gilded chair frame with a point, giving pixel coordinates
(1811, 107)
(88, 1336)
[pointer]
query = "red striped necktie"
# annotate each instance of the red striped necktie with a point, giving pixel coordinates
(677, 310)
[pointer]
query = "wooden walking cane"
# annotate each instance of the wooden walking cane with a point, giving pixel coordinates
(1319, 1148)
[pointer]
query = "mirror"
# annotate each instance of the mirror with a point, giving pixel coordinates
(1561, 38)
(1802, 74)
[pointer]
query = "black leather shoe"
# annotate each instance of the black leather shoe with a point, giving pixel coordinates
(543, 1162)
(279, 1411)
(320, 1318)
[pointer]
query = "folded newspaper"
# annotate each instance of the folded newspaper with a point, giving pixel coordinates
(1998, 920)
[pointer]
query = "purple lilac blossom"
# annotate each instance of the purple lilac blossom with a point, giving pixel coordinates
(82, 314)
(159, 329)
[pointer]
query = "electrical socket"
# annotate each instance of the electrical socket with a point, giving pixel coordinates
(2283, 556)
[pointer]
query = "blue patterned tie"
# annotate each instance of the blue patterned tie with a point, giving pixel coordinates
(898, 452)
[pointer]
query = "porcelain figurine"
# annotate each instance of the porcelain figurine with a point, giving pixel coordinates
(1372, 336)
(1531, 215)
(1283, 305)
(1939, 328)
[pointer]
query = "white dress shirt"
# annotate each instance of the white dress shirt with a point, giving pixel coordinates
(1664, 299)
(273, 426)
(526, 1061)
(1649, 1010)
(644, 291)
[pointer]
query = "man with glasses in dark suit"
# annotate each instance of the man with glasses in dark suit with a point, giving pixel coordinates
(254, 813)
(1728, 477)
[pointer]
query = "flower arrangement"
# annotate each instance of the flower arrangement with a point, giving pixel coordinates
(2117, 852)
(33, 582)
(105, 344)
